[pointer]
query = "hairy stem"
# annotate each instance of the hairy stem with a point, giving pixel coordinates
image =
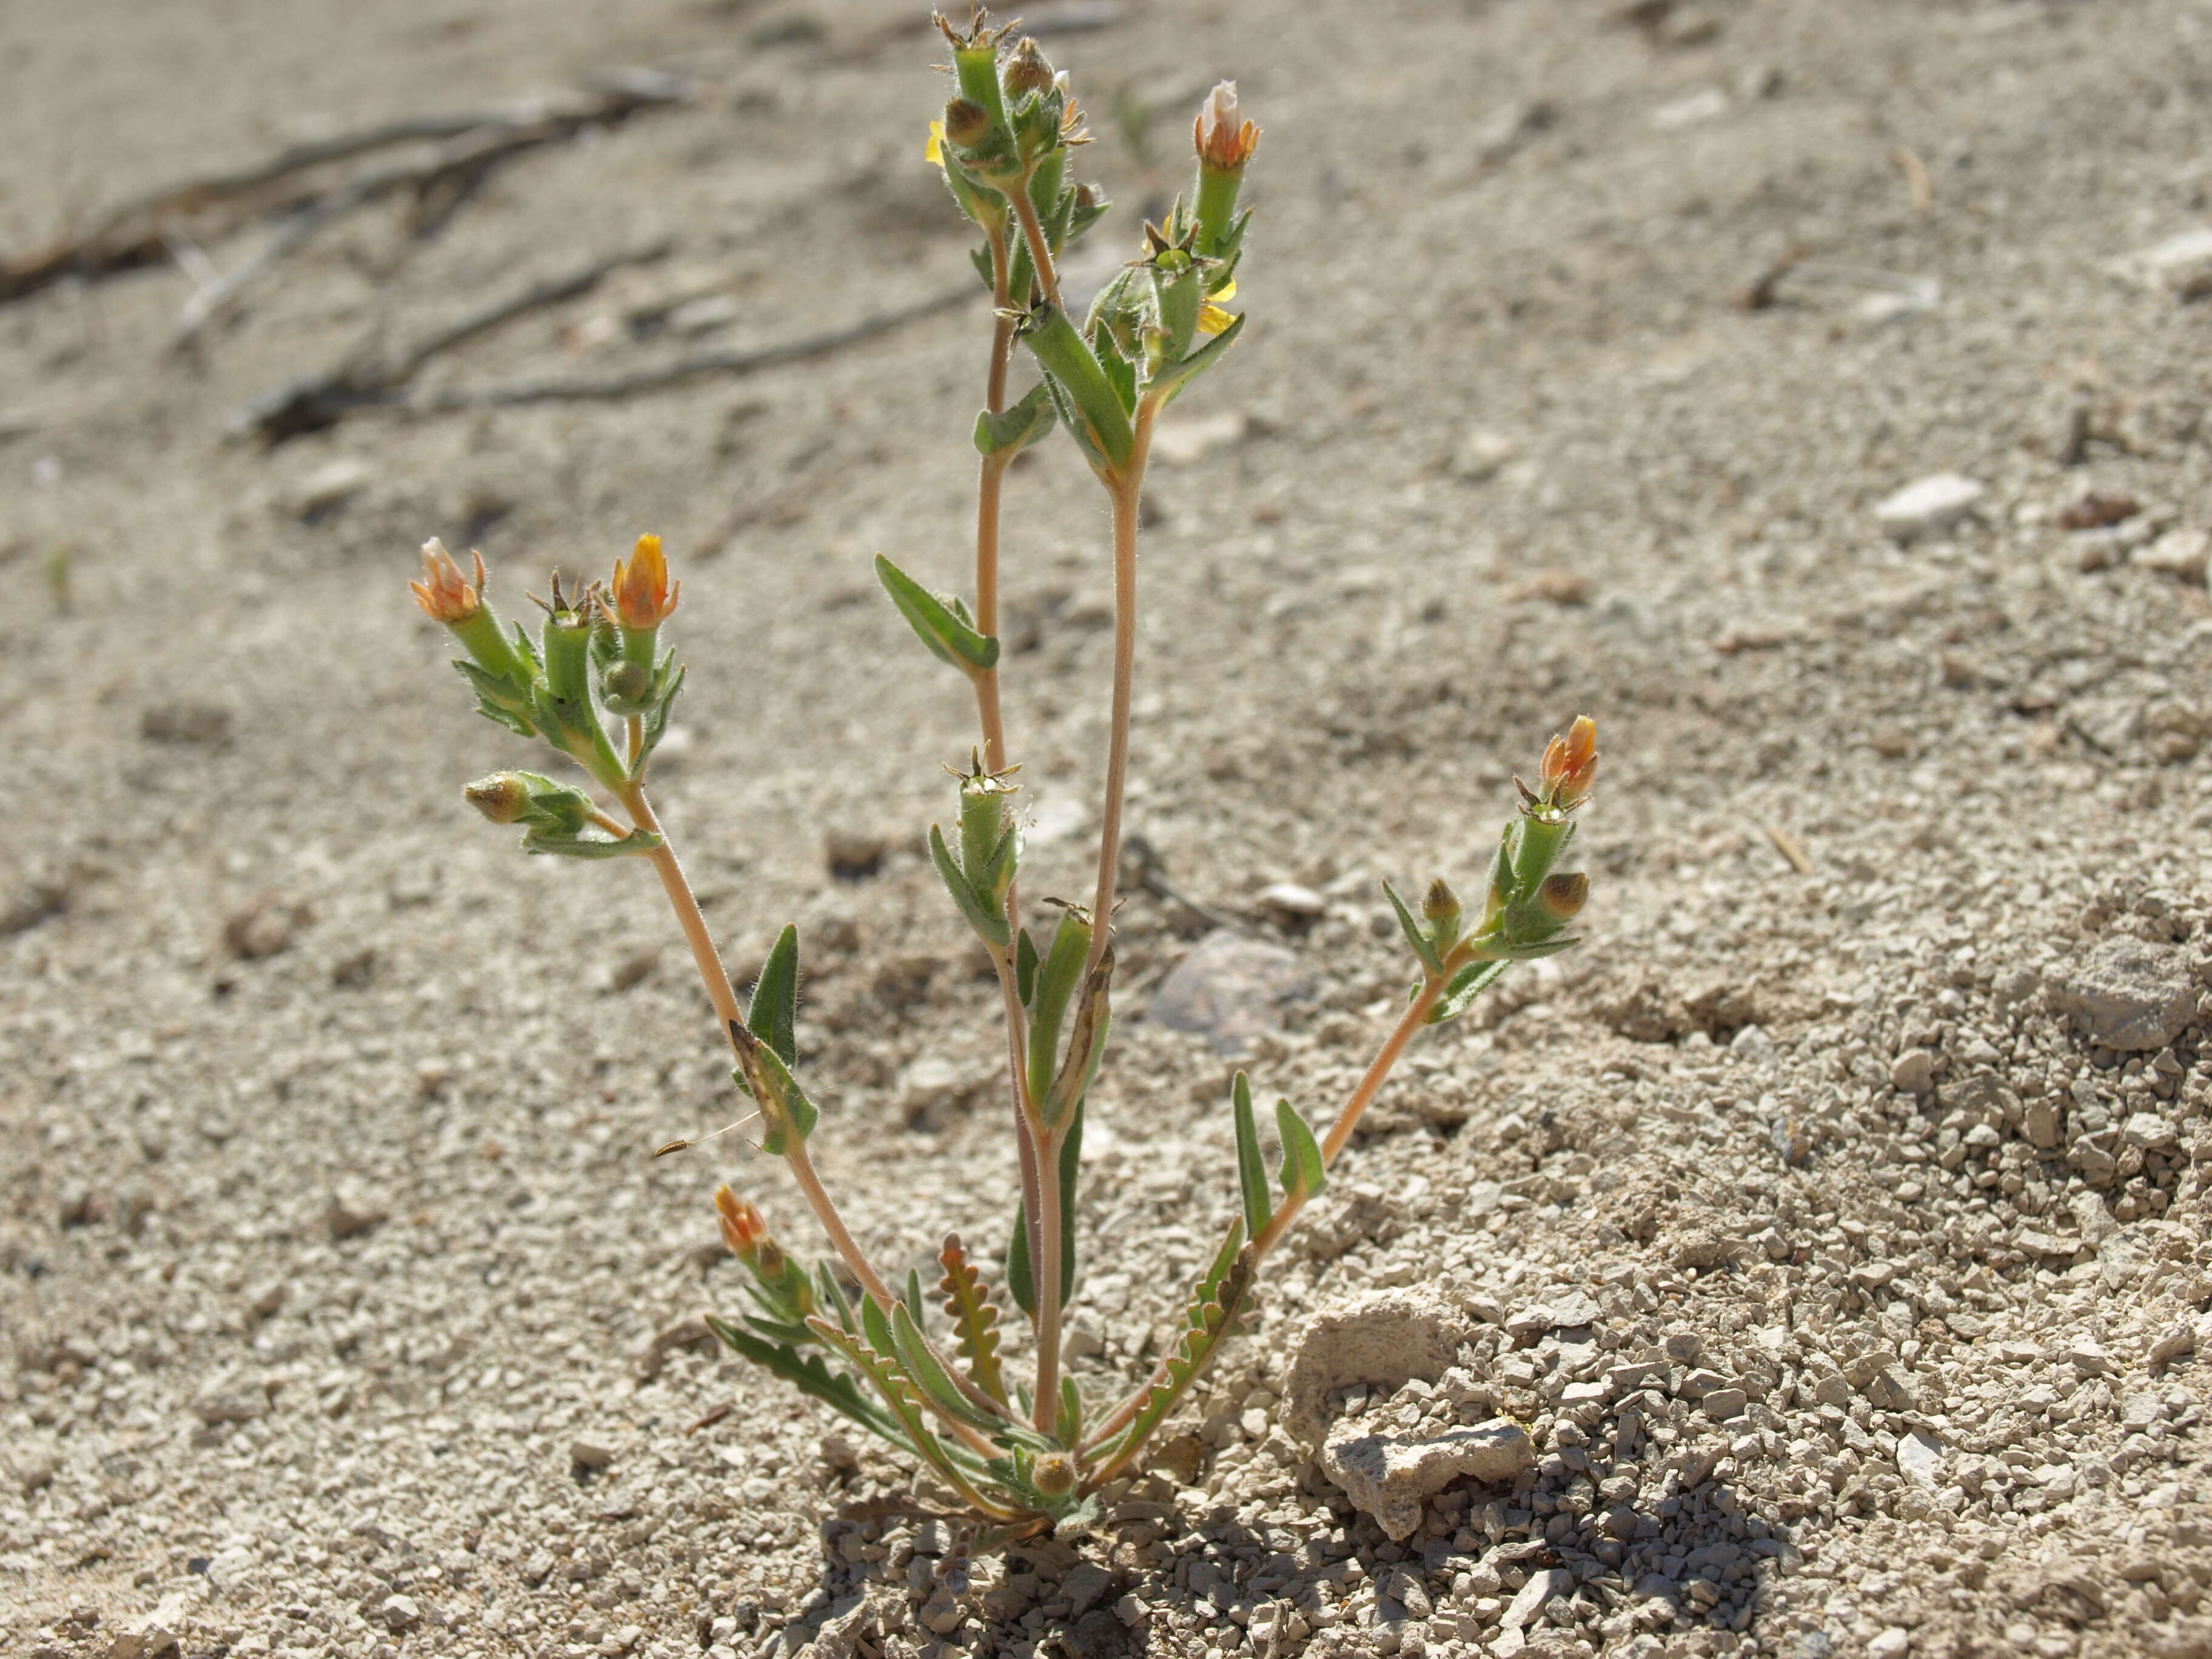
(1048, 274)
(724, 996)
(1127, 492)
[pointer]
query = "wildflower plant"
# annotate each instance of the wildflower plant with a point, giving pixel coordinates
(928, 1368)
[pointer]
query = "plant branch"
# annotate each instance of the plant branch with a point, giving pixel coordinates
(1127, 491)
(1047, 273)
(724, 996)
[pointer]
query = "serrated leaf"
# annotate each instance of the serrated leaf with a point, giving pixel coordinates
(1304, 1174)
(904, 1402)
(1415, 937)
(974, 1320)
(935, 623)
(990, 923)
(773, 1014)
(1017, 426)
(1469, 983)
(1251, 1171)
(1214, 1308)
(810, 1375)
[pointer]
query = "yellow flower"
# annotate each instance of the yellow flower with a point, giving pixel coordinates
(934, 152)
(1211, 318)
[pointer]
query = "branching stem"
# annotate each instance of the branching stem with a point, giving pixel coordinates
(1127, 492)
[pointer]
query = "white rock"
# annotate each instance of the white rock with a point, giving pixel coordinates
(1920, 1456)
(1540, 1588)
(1707, 104)
(1290, 902)
(330, 484)
(1384, 1336)
(1928, 507)
(1484, 455)
(2181, 265)
(2179, 553)
(1392, 1476)
(1891, 1643)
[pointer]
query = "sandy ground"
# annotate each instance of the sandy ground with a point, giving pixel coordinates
(1834, 1220)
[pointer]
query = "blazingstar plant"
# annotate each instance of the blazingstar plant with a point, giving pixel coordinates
(933, 1375)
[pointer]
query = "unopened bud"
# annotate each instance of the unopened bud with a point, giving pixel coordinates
(1054, 1475)
(1564, 895)
(1441, 904)
(629, 684)
(503, 797)
(643, 600)
(1025, 72)
(967, 122)
(745, 1229)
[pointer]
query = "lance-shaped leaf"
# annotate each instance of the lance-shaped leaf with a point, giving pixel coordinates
(783, 1104)
(930, 1376)
(1416, 935)
(1021, 1272)
(773, 1014)
(1068, 1422)
(944, 630)
(899, 1394)
(1469, 983)
(558, 844)
(986, 918)
(1170, 382)
(1061, 973)
(976, 1320)
(1015, 427)
(809, 1375)
(1095, 412)
(1251, 1172)
(1025, 967)
(1304, 1174)
(1214, 1308)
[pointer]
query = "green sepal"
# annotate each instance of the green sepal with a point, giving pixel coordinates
(499, 698)
(783, 1104)
(977, 199)
(990, 924)
(1026, 967)
(1538, 843)
(1081, 216)
(1469, 983)
(1304, 1174)
(1416, 935)
(976, 69)
(655, 725)
(1179, 296)
(948, 636)
(810, 1375)
(1170, 382)
(985, 266)
(1017, 426)
(1251, 1171)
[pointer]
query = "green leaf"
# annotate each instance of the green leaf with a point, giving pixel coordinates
(1414, 934)
(554, 843)
(1025, 967)
(1213, 1307)
(1086, 1044)
(935, 623)
(773, 1015)
(1095, 409)
(1171, 381)
(1067, 1424)
(1071, 1164)
(1016, 426)
(899, 1394)
(1469, 983)
(990, 923)
(1056, 983)
(932, 1378)
(783, 1104)
(1303, 1172)
(1251, 1172)
(811, 1375)
(1021, 1273)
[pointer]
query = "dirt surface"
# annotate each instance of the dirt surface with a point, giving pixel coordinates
(1833, 1222)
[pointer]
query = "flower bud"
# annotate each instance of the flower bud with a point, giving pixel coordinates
(643, 599)
(966, 124)
(1026, 71)
(503, 797)
(627, 685)
(1054, 1475)
(1564, 895)
(745, 1229)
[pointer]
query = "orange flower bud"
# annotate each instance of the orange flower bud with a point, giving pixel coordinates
(1564, 895)
(745, 1229)
(1570, 765)
(1223, 141)
(1026, 70)
(444, 594)
(643, 597)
